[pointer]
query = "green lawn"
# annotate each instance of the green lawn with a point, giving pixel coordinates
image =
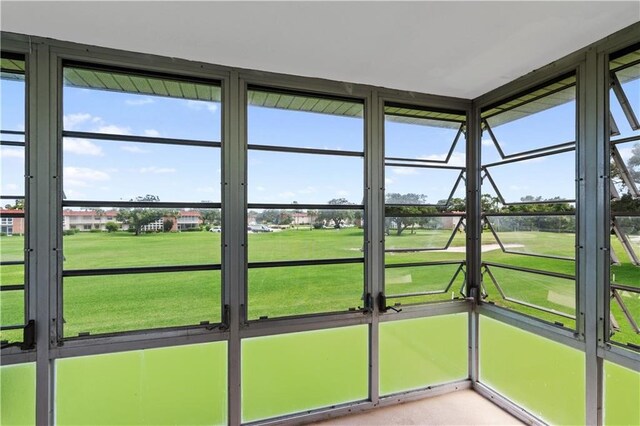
(103, 304)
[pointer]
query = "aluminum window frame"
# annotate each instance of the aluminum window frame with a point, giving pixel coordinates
(249, 86)
(26, 286)
(608, 346)
(537, 80)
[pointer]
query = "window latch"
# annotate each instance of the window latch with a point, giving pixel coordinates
(382, 304)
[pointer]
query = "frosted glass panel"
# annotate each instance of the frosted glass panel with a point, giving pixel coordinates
(621, 395)
(544, 377)
(178, 385)
(18, 394)
(421, 352)
(295, 372)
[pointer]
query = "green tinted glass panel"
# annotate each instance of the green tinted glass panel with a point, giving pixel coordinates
(18, 394)
(295, 372)
(621, 395)
(544, 377)
(178, 385)
(420, 352)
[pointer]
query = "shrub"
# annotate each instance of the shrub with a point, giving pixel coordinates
(112, 226)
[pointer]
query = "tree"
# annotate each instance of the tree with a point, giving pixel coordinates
(274, 217)
(633, 166)
(405, 211)
(138, 217)
(211, 216)
(167, 225)
(490, 204)
(111, 226)
(337, 216)
(18, 205)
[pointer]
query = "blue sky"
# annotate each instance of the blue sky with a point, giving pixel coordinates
(108, 170)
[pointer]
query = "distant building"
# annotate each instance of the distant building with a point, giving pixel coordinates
(11, 225)
(88, 220)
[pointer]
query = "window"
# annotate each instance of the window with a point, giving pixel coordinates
(528, 202)
(13, 226)
(141, 152)
(624, 283)
(305, 219)
(424, 205)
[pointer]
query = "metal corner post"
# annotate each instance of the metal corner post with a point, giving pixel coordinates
(592, 255)
(43, 131)
(474, 135)
(234, 247)
(374, 153)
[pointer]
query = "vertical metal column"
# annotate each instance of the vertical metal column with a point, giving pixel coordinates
(234, 227)
(592, 256)
(374, 153)
(43, 140)
(474, 229)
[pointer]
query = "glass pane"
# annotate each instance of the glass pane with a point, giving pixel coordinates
(12, 239)
(422, 139)
(11, 313)
(176, 385)
(629, 159)
(12, 107)
(106, 238)
(115, 303)
(276, 177)
(436, 233)
(304, 234)
(297, 290)
(11, 170)
(18, 394)
(304, 122)
(122, 171)
(534, 124)
(538, 235)
(621, 395)
(420, 185)
(406, 285)
(542, 296)
(540, 179)
(544, 377)
(295, 372)
(625, 280)
(438, 356)
(130, 104)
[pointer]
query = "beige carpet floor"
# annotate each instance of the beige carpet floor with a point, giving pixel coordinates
(458, 408)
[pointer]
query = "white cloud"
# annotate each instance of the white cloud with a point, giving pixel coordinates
(157, 170)
(12, 153)
(84, 174)
(133, 149)
(307, 190)
(75, 183)
(342, 193)
(139, 101)
(113, 129)
(71, 121)
(404, 171)
(82, 147)
(457, 158)
(287, 194)
(487, 142)
(388, 181)
(73, 194)
(10, 187)
(201, 105)
(152, 132)
(206, 189)
(260, 188)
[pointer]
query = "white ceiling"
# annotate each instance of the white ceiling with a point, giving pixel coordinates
(448, 48)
